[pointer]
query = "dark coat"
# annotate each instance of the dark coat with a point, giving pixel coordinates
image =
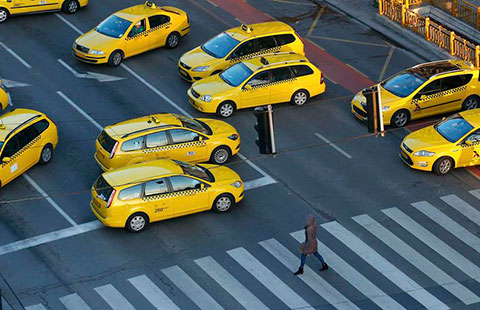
(310, 245)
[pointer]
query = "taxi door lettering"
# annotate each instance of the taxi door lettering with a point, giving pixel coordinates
(428, 100)
(13, 168)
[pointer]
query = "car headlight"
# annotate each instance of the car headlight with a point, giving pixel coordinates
(360, 98)
(385, 108)
(206, 98)
(200, 69)
(97, 52)
(237, 184)
(424, 153)
(233, 136)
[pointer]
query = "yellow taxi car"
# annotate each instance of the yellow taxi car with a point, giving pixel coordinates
(274, 78)
(453, 142)
(425, 90)
(166, 136)
(235, 45)
(4, 96)
(18, 7)
(27, 137)
(132, 31)
(137, 195)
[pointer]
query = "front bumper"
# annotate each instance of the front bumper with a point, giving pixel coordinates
(206, 107)
(188, 74)
(416, 162)
(359, 111)
(89, 58)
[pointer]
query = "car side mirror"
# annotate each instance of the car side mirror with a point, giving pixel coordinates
(6, 160)
(423, 97)
(247, 87)
(469, 142)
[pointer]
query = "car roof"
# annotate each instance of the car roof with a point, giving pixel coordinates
(244, 32)
(143, 124)
(472, 116)
(14, 119)
(431, 69)
(274, 59)
(135, 12)
(142, 172)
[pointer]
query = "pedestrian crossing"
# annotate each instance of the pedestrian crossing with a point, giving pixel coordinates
(417, 256)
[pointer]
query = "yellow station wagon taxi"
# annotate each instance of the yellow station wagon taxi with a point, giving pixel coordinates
(453, 142)
(274, 78)
(166, 136)
(132, 31)
(27, 137)
(19, 7)
(4, 96)
(425, 90)
(134, 196)
(235, 45)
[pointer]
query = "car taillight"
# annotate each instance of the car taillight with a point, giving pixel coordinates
(114, 150)
(110, 199)
(321, 78)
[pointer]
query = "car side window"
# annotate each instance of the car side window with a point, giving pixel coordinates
(130, 193)
(432, 88)
(158, 20)
(301, 70)
(41, 126)
(157, 139)
(265, 43)
(11, 147)
(281, 74)
(133, 144)
(182, 183)
(259, 79)
(138, 28)
(26, 136)
(283, 39)
(474, 137)
(244, 49)
(452, 82)
(156, 187)
(182, 136)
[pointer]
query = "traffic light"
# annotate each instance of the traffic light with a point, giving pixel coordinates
(263, 127)
(373, 112)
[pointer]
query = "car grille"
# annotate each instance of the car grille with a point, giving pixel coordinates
(185, 65)
(359, 111)
(195, 94)
(82, 48)
(406, 158)
(407, 148)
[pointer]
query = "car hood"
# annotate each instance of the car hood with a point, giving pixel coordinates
(218, 127)
(96, 40)
(222, 174)
(425, 139)
(197, 57)
(212, 85)
(387, 98)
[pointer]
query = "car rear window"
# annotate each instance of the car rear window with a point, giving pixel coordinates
(132, 192)
(283, 39)
(301, 70)
(103, 189)
(106, 141)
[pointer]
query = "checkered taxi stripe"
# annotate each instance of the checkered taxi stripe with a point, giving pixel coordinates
(22, 150)
(440, 94)
(272, 84)
(248, 56)
(150, 30)
(174, 147)
(175, 194)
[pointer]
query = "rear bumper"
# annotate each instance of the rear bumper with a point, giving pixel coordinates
(99, 163)
(107, 221)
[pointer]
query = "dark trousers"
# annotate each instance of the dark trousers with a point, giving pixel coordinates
(304, 258)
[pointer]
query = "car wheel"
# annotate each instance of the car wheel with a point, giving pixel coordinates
(400, 118)
(300, 97)
(470, 103)
(46, 154)
(220, 155)
(226, 109)
(3, 15)
(115, 58)
(70, 6)
(172, 40)
(443, 165)
(137, 222)
(223, 203)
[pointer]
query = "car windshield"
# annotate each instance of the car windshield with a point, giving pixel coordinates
(236, 74)
(113, 26)
(220, 45)
(453, 128)
(196, 171)
(403, 84)
(195, 124)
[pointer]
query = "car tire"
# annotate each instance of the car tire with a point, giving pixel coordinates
(220, 155)
(3, 15)
(115, 58)
(400, 118)
(443, 165)
(300, 97)
(226, 109)
(46, 154)
(137, 222)
(470, 103)
(173, 40)
(223, 203)
(70, 6)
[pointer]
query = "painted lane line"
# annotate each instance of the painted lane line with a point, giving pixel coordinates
(432, 241)
(333, 145)
(296, 3)
(464, 208)
(358, 71)
(63, 19)
(74, 302)
(76, 107)
(315, 21)
(387, 63)
(190, 288)
(5, 304)
(49, 237)
(475, 193)
(334, 82)
(15, 55)
(230, 284)
(114, 298)
(152, 293)
(36, 307)
(50, 200)
(391, 272)
(260, 182)
(417, 260)
(268, 279)
(13, 84)
(351, 275)
(310, 277)
(214, 4)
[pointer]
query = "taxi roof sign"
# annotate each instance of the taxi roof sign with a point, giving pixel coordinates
(246, 28)
(150, 4)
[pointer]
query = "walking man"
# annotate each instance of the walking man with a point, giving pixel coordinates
(310, 245)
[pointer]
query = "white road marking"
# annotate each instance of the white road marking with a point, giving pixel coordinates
(91, 75)
(36, 307)
(5, 305)
(464, 208)
(230, 284)
(50, 200)
(10, 101)
(417, 260)
(358, 71)
(76, 107)
(191, 288)
(63, 19)
(351, 275)
(310, 277)
(152, 293)
(333, 145)
(74, 302)
(114, 298)
(451, 255)
(13, 84)
(475, 193)
(15, 55)
(260, 182)
(268, 279)
(387, 269)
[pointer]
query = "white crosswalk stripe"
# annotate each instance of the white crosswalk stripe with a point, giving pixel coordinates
(416, 259)
(190, 288)
(152, 293)
(268, 279)
(383, 266)
(114, 298)
(5, 305)
(434, 242)
(230, 284)
(476, 193)
(464, 208)
(310, 277)
(36, 307)
(74, 302)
